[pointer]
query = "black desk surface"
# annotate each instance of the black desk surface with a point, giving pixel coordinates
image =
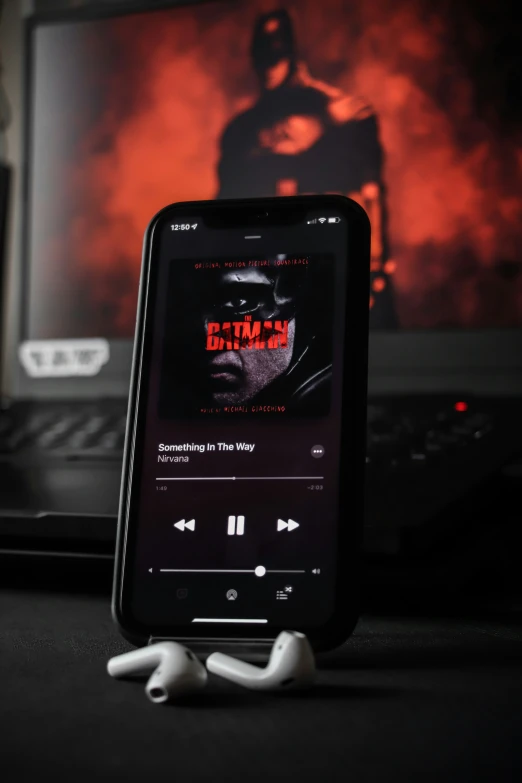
(406, 699)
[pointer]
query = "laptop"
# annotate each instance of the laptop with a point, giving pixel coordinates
(126, 111)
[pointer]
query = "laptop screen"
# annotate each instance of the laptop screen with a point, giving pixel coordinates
(384, 102)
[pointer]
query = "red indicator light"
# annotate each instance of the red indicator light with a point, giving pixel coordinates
(379, 284)
(461, 407)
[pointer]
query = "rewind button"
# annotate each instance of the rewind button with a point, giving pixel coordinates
(186, 525)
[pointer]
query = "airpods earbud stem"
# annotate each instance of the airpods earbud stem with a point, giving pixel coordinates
(177, 671)
(291, 665)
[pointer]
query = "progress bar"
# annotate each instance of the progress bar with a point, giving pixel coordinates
(226, 620)
(240, 478)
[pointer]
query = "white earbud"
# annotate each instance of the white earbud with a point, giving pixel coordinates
(291, 665)
(177, 671)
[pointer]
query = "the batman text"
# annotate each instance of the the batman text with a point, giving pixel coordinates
(236, 335)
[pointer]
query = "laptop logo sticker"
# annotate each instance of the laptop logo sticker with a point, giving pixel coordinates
(63, 358)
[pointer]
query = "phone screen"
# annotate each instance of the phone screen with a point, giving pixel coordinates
(234, 510)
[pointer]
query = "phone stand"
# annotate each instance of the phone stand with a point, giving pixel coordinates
(246, 649)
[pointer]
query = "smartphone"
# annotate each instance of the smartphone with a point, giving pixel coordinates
(242, 489)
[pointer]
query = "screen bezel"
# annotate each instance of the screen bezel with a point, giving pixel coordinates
(353, 419)
(112, 380)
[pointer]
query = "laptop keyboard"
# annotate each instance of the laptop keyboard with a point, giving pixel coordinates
(399, 438)
(89, 432)
(425, 458)
(428, 460)
(398, 434)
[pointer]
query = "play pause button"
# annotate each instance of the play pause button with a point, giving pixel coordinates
(286, 525)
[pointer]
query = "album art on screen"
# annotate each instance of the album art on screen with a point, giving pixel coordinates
(248, 337)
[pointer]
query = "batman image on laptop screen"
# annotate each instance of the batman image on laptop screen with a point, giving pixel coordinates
(306, 136)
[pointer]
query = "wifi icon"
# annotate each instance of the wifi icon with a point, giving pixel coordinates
(322, 220)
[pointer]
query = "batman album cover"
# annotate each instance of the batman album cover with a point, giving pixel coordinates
(248, 336)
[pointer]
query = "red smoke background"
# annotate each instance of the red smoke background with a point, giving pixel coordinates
(167, 83)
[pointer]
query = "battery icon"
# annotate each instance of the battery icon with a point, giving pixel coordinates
(334, 220)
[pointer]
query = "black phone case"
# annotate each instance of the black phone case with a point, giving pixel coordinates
(352, 462)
